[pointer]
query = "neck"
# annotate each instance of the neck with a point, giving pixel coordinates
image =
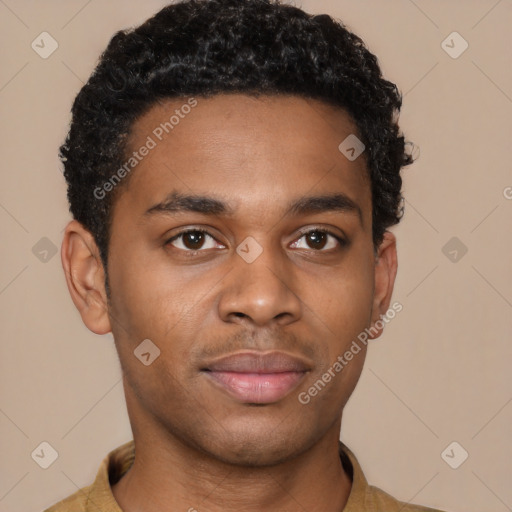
(168, 476)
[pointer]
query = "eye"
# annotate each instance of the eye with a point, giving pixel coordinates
(192, 240)
(318, 239)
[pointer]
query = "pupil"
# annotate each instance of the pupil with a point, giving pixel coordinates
(196, 239)
(317, 238)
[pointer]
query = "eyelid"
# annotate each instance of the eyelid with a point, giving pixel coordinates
(341, 239)
(321, 229)
(191, 230)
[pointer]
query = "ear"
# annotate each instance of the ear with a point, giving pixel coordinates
(85, 277)
(386, 266)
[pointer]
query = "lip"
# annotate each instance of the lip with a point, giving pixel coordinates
(256, 377)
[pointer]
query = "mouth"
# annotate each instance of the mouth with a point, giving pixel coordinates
(255, 377)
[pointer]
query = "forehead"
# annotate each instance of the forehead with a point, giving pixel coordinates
(248, 150)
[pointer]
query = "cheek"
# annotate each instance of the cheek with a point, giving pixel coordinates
(148, 296)
(161, 305)
(343, 304)
(344, 298)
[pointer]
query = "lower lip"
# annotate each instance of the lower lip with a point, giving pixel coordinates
(257, 388)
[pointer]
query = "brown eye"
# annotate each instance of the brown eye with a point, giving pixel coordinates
(320, 240)
(192, 240)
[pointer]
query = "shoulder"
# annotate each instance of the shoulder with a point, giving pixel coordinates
(364, 496)
(98, 495)
(377, 499)
(76, 502)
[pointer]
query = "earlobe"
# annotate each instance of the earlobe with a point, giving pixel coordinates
(386, 266)
(85, 275)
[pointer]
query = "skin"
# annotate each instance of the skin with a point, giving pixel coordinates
(196, 446)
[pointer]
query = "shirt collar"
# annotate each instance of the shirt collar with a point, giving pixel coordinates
(119, 461)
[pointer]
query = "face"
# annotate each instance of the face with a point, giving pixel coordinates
(242, 248)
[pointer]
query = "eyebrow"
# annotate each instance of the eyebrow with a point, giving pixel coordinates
(177, 202)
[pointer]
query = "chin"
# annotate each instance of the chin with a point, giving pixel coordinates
(254, 454)
(258, 446)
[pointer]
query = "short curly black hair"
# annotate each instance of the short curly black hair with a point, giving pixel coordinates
(207, 47)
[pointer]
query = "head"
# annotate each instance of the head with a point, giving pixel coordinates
(227, 120)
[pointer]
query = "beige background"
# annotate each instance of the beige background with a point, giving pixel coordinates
(440, 373)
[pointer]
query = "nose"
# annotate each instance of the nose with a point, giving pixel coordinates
(260, 293)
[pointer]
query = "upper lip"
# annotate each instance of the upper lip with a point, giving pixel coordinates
(258, 362)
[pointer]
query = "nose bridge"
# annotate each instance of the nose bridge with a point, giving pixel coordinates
(258, 287)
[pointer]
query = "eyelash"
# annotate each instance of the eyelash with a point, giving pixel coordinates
(343, 243)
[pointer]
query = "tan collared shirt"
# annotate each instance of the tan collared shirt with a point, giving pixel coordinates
(98, 496)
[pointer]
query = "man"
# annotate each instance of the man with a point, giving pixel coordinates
(232, 168)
